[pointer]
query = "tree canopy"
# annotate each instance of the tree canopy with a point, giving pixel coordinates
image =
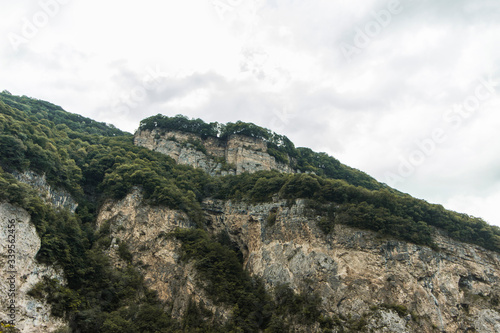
(95, 161)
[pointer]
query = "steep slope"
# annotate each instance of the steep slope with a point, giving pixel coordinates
(234, 148)
(234, 155)
(20, 272)
(270, 238)
(365, 282)
(354, 198)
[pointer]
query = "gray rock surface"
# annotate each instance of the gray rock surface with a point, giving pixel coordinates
(235, 155)
(56, 197)
(359, 275)
(31, 315)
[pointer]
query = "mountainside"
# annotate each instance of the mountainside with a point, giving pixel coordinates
(188, 226)
(362, 281)
(235, 155)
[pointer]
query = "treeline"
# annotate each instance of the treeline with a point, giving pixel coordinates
(388, 212)
(87, 164)
(94, 162)
(95, 166)
(278, 146)
(39, 110)
(218, 130)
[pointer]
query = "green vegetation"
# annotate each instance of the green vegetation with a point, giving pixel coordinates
(226, 282)
(291, 307)
(225, 279)
(7, 328)
(38, 110)
(179, 123)
(95, 162)
(388, 212)
(279, 146)
(401, 310)
(95, 291)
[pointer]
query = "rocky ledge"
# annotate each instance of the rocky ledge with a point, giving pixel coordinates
(384, 284)
(234, 155)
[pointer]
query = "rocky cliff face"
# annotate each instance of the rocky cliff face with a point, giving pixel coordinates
(235, 155)
(143, 229)
(55, 197)
(20, 272)
(385, 285)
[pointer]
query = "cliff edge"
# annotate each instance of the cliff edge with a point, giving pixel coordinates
(233, 155)
(364, 280)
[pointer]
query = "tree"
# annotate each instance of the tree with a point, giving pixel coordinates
(12, 152)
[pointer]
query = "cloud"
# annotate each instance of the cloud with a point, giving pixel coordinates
(280, 64)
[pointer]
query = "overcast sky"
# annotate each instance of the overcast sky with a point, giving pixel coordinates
(407, 91)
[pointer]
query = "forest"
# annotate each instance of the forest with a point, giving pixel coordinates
(302, 159)
(96, 161)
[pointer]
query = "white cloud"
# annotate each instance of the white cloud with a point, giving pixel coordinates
(279, 64)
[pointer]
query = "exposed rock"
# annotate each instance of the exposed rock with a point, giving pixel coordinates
(384, 285)
(235, 155)
(355, 270)
(143, 229)
(19, 235)
(487, 321)
(56, 197)
(387, 322)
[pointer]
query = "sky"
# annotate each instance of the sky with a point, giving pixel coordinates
(407, 91)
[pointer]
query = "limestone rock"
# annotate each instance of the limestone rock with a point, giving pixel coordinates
(17, 233)
(56, 197)
(143, 228)
(235, 155)
(387, 322)
(382, 284)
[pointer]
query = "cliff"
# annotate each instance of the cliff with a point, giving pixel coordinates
(363, 279)
(20, 273)
(234, 155)
(58, 198)
(142, 228)
(273, 254)
(20, 270)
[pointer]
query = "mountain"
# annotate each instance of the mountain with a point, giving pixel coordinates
(187, 226)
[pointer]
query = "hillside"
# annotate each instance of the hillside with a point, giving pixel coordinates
(189, 226)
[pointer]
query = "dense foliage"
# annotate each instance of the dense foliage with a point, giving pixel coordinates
(38, 110)
(390, 213)
(95, 161)
(221, 269)
(95, 291)
(279, 146)
(180, 123)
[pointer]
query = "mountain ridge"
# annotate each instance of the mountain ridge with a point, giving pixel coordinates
(193, 217)
(282, 149)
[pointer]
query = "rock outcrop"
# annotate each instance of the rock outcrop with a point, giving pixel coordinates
(383, 284)
(234, 155)
(56, 197)
(143, 229)
(19, 272)
(363, 276)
